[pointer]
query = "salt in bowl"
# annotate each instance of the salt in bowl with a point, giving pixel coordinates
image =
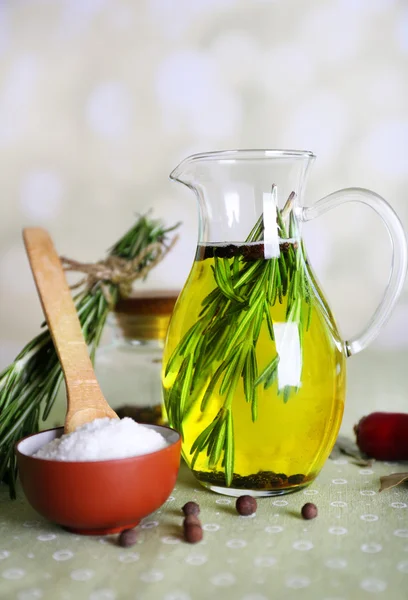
(98, 497)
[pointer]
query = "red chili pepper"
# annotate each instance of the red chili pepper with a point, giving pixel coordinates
(383, 436)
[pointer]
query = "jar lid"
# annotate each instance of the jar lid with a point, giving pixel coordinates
(149, 302)
(145, 315)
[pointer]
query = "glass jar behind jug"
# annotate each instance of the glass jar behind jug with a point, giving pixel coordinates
(128, 368)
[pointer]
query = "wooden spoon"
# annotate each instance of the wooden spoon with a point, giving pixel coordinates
(84, 396)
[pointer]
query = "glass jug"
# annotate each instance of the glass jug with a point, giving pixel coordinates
(254, 366)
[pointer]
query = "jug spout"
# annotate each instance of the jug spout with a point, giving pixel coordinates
(234, 188)
(184, 172)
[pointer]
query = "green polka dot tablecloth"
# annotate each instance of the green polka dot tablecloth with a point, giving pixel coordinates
(357, 548)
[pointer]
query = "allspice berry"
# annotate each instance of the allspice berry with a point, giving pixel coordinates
(246, 505)
(191, 520)
(193, 532)
(191, 508)
(309, 510)
(128, 538)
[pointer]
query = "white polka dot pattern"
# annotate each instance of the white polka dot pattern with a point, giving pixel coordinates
(13, 573)
(129, 557)
(373, 585)
(30, 594)
(237, 557)
(196, 560)
(274, 529)
(297, 582)
(62, 555)
(223, 579)
(371, 548)
(82, 574)
(152, 576)
(338, 530)
(103, 594)
(177, 595)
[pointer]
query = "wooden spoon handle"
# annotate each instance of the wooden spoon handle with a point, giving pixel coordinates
(83, 391)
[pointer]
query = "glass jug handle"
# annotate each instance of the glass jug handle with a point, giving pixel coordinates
(399, 255)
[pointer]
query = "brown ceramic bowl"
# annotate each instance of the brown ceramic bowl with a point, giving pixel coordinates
(99, 497)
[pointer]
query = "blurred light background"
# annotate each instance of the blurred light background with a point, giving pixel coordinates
(100, 99)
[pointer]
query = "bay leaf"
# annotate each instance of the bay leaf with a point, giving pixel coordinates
(389, 481)
(345, 446)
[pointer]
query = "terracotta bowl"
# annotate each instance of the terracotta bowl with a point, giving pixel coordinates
(99, 497)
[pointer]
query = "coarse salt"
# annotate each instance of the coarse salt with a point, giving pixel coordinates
(103, 439)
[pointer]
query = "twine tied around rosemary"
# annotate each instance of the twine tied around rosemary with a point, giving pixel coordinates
(116, 270)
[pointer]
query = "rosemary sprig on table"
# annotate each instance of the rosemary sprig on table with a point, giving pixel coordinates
(219, 350)
(29, 385)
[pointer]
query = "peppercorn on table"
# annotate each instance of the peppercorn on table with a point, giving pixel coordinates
(356, 548)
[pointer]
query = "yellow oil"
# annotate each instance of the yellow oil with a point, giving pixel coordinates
(291, 439)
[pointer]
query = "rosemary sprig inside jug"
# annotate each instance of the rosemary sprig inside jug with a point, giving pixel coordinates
(218, 353)
(30, 384)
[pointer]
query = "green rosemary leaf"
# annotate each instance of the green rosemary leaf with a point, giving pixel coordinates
(229, 449)
(309, 315)
(248, 274)
(15, 419)
(257, 325)
(257, 231)
(307, 294)
(194, 459)
(212, 385)
(226, 306)
(281, 224)
(231, 309)
(270, 379)
(305, 285)
(218, 446)
(231, 373)
(269, 321)
(210, 299)
(235, 267)
(212, 439)
(222, 277)
(254, 362)
(186, 386)
(213, 328)
(290, 258)
(270, 284)
(54, 387)
(283, 274)
(200, 373)
(248, 377)
(293, 234)
(215, 433)
(173, 405)
(260, 283)
(286, 393)
(215, 335)
(293, 226)
(277, 286)
(236, 375)
(176, 400)
(293, 292)
(202, 440)
(216, 344)
(185, 345)
(272, 366)
(243, 325)
(223, 267)
(254, 406)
